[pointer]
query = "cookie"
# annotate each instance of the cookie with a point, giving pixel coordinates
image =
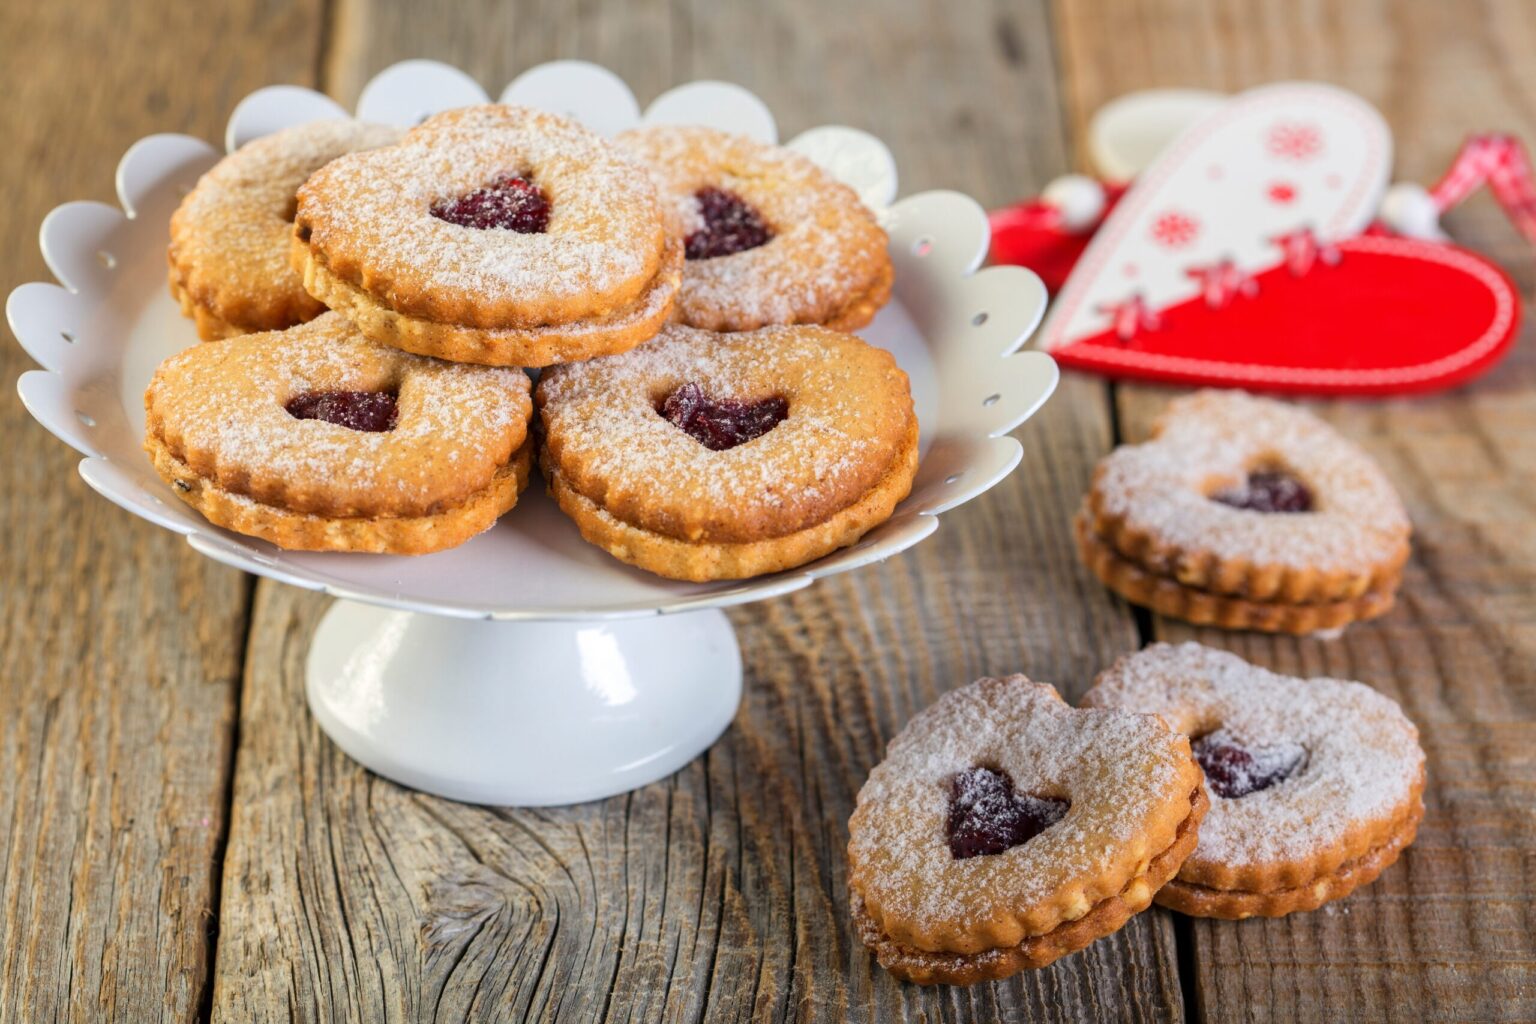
(703, 456)
(1248, 513)
(491, 234)
(770, 237)
(1006, 829)
(229, 263)
(1316, 785)
(317, 439)
(1203, 608)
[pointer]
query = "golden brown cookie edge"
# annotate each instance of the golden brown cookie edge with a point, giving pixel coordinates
(1237, 904)
(1174, 600)
(305, 531)
(704, 561)
(1108, 916)
(534, 347)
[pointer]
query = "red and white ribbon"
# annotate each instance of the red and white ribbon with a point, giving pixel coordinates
(1496, 160)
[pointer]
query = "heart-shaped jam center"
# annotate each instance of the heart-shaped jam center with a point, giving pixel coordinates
(511, 202)
(986, 816)
(731, 225)
(1269, 490)
(721, 423)
(371, 411)
(1233, 770)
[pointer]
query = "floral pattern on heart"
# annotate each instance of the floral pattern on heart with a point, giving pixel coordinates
(1175, 230)
(1294, 140)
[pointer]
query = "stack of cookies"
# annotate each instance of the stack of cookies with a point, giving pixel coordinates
(1316, 785)
(1246, 513)
(1006, 829)
(374, 298)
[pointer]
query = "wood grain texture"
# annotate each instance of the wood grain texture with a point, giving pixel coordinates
(719, 893)
(120, 649)
(1450, 932)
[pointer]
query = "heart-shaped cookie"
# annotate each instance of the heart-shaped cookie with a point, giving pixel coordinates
(1183, 503)
(1247, 513)
(1315, 784)
(318, 439)
(1005, 829)
(1238, 259)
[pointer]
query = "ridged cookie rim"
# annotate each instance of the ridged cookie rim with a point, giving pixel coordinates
(531, 347)
(1235, 577)
(1109, 915)
(1176, 601)
(308, 531)
(1236, 904)
(705, 561)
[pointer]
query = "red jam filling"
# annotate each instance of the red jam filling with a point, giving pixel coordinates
(986, 816)
(1233, 771)
(731, 225)
(721, 423)
(512, 202)
(1268, 491)
(370, 411)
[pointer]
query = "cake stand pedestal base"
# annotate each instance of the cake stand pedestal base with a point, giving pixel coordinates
(523, 713)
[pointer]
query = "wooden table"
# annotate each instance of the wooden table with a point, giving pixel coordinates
(182, 842)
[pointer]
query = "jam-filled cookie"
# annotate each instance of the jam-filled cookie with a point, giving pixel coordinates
(317, 439)
(771, 237)
(1247, 513)
(229, 251)
(706, 456)
(491, 234)
(1316, 785)
(1006, 829)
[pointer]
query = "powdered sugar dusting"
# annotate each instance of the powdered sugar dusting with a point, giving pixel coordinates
(1362, 752)
(849, 409)
(221, 410)
(234, 226)
(258, 181)
(601, 247)
(827, 249)
(1119, 771)
(1210, 441)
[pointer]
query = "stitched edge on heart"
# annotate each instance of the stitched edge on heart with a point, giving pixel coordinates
(1498, 331)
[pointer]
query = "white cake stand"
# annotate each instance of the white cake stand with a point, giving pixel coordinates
(473, 672)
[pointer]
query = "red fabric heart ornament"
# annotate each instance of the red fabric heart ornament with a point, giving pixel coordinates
(1243, 257)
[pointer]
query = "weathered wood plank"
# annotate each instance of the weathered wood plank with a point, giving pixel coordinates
(1450, 932)
(720, 892)
(120, 649)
